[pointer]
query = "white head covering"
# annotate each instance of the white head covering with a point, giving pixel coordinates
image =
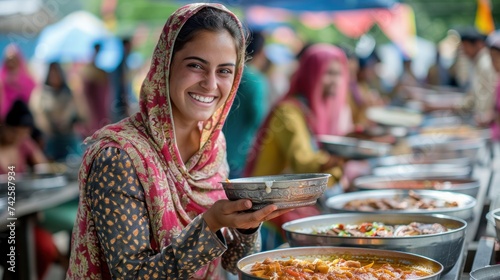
(493, 40)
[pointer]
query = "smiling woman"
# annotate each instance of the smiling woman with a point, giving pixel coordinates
(151, 202)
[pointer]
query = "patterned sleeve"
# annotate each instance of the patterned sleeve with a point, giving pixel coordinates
(121, 221)
(240, 244)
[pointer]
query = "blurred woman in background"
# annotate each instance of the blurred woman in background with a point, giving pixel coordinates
(16, 82)
(315, 104)
(57, 114)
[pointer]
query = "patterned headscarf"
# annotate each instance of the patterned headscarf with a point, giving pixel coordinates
(325, 115)
(175, 192)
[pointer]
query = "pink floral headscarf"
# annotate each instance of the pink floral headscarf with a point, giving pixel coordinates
(175, 192)
(14, 85)
(325, 115)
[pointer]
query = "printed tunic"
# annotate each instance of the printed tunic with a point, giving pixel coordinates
(122, 226)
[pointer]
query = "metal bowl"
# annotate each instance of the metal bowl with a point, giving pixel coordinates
(360, 254)
(353, 148)
(443, 247)
(494, 218)
(490, 272)
(458, 185)
(285, 191)
(464, 210)
(428, 158)
(423, 170)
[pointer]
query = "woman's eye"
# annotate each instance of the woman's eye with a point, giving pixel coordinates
(194, 65)
(226, 71)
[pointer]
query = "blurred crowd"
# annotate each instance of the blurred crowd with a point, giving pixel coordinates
(271, 129)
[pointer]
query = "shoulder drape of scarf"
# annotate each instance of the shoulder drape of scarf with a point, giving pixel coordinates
(175, 192)
(323, 116)
(15, 86)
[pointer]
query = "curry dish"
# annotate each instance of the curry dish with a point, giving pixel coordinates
(378, 229)
(334, 269)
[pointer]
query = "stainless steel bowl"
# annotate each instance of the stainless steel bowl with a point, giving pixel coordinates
(458, 185)
(353, 148)
(423, 170)
(443, 247)
(491, 272)
(361, 254)
(285, 191)
(464, 210)
(494, 218)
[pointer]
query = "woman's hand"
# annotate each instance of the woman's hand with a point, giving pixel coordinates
(226, 213)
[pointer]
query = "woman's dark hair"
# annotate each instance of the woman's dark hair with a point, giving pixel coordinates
(19, 115)
(56, 66)
(210, 19)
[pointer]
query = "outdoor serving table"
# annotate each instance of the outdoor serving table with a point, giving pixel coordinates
(25, 207)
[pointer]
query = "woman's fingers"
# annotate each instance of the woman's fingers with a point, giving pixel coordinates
(225, 213)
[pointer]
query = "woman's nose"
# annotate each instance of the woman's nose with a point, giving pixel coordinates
(209, 82)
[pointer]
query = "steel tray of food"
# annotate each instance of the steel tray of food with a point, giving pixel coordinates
(423, 170)
(394, 116)
(460, 131)
(442, 143)
(353, 148)
(404, 202)
(458, 185)
(304, 262)
(285, 191)
(438, 237)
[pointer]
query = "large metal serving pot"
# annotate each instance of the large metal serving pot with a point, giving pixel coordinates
(362, 254)
(465, 208)
(443, 247)
(427, 158)
(446, 144)
(458, 185)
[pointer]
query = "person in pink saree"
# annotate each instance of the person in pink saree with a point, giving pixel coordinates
(16, 82)
(151, 202)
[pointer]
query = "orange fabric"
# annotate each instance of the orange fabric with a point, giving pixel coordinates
(484, 19)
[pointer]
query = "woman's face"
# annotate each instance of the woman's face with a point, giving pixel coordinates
(332, 78)
(55, 79)
(201, 76)
(12, 61)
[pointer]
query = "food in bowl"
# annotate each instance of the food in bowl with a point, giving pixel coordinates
(285, 191)
(378, 229)
(411, 201)
(352, 256)
(446, 249)
(334, 268)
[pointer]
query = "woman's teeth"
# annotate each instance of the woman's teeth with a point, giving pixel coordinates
(204, 99)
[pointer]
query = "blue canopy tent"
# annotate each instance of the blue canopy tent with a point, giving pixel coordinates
(309, 5)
